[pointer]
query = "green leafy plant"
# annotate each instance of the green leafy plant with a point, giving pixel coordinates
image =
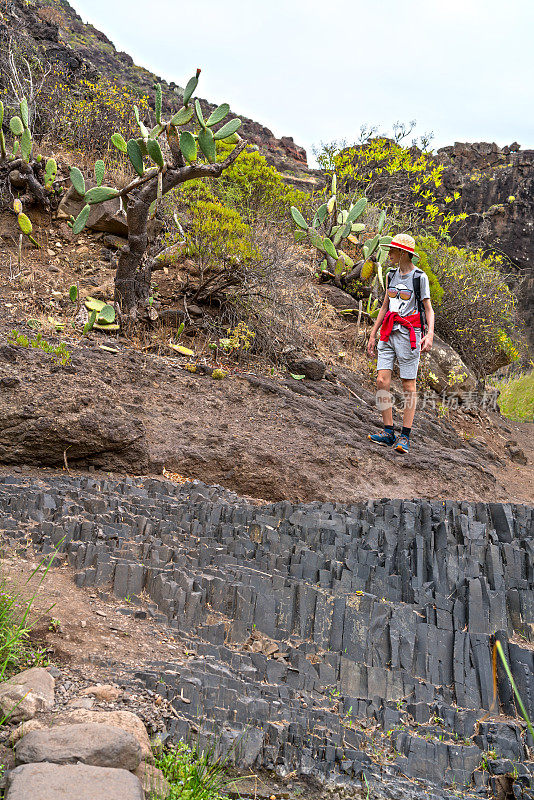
(16, 650)
(193, 774)
(217, 239)
(59, 352)
(519, 701)
(516, 398)
(476, 307)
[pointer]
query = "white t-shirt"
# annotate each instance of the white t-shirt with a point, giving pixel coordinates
(406, 307)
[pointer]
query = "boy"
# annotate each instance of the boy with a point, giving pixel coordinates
(400, 338)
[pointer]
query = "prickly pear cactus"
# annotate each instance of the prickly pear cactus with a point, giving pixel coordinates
(344, 255)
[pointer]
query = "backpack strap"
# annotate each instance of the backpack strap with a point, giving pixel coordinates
(391, 272)
(417, 293)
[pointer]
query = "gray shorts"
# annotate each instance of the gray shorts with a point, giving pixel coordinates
(398, 346)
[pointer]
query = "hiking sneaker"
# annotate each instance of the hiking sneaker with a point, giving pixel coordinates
(401, 444)
(385, 438)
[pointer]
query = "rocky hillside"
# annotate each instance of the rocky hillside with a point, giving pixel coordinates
(497, 192)
(56, 33)
(496, 184)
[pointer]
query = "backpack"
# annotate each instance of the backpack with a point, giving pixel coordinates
(417, 293)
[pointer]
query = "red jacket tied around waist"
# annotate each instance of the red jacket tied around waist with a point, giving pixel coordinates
(411, 322)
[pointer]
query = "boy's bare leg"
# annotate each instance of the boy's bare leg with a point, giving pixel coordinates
(383, 395)
(410, 402)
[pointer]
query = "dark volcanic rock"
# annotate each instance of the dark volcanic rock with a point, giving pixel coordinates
(323, 639)
(311, 368)
(497, 191)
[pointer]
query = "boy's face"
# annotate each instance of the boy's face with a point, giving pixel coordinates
(395, 255)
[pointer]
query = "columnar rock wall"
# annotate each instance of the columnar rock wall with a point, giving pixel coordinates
(337, 641)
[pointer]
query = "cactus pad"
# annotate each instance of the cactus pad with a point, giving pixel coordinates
(357, 209)
(106, 316)
(135, 156)
(99, 194)
(183, 116)
(218, 115)
(24, 112)
(154, 151)
(188, 146)
(25, 224)
(77, 180)
(100, 169)
(16, 126)
(198, 112)
(26, 144)
(81, 219)
(231, 127)
(207, 145)
(190, 87)
(119, 142)
(298, 219)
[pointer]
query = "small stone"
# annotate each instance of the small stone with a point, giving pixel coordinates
(311, 368)
(80, 702)
(104, 692)
(83, 623)
(27, 693)
(50, 253)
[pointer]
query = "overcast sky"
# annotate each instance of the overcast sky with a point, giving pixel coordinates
(318, 70)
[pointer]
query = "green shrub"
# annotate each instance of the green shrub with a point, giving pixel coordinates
(16, 650)
(254, 188)
(216, 238)
(516, 400)
(476, 314)
(59, 352)
(193, 775)
(436, 291)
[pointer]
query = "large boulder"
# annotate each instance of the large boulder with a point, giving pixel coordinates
(72, 782)
(311, 368)
(90, 743)
(107, 217)
(22, 696)
(447, 372)
(126, 720)
(337, 298)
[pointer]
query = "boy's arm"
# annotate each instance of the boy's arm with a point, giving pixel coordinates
(428, 338)
(378, 322)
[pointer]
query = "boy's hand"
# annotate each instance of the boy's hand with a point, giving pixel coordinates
(371, 345)
(426, 343)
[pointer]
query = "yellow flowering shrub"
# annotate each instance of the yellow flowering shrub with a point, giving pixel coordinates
(476, 315)
(404, 178)
(83, 114)
(253, 187)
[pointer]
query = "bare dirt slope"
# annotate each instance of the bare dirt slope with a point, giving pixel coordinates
(264, 438)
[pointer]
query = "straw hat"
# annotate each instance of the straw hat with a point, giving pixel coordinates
(402, 241)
